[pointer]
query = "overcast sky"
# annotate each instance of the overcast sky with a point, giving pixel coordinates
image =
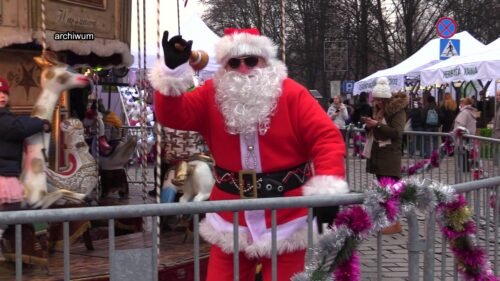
(168, 21)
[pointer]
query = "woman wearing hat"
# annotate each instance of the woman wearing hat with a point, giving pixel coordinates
(385, 136)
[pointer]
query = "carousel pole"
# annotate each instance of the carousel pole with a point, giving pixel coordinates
(158, 179)
(283, 39)
(178, 20)
(261, 15)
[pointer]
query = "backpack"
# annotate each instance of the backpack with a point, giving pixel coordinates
(432, 118)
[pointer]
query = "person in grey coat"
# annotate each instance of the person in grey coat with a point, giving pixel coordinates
(496, 124)
(467, 116)
(496, 127)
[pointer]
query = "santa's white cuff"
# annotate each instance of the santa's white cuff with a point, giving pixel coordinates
(171, 82)
(325, 185)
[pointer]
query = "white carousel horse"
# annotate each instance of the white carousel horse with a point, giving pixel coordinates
(192, 174)
(193, 177)
(55, 79)
(81, 173)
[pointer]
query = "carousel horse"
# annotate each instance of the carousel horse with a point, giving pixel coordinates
(194, 178)
(80, 174)
(55, 79)
(188, 175)
(38, 238)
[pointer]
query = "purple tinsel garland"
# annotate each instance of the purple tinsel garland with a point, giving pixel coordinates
(348, 270)
(355, 218)
(356, 222)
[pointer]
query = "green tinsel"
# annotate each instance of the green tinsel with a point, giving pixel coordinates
(462, 243)
(319, 275)
(346, 252)
(409, 195)
(457, 218)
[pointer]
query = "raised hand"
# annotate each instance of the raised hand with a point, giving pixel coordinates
(176, 51)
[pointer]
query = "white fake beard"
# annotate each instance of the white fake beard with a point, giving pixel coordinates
(247, 101)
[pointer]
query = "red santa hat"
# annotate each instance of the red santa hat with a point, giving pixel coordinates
(244, 42)
(4, 87)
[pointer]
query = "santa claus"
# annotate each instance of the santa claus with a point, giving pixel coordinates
(269, 138)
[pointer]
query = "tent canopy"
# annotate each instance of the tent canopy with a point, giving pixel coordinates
(483, 64)
(428, 55)
(192, 28)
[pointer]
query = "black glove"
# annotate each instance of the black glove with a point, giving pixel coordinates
(47, 127)
(176, 51)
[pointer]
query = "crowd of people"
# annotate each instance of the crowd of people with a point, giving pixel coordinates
(425, 115)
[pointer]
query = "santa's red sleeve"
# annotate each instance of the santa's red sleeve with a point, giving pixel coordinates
(323, 141)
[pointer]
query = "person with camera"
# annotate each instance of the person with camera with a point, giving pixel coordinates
(338, 112)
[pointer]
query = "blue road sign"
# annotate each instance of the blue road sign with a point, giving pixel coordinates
(347, 86)
(446, 27)
(449, 48)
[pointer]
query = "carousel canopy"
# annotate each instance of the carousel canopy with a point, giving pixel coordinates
(428, 55)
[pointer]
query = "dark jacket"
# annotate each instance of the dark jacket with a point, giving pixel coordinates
(416, 117)
(448, 118)
(13, 131)
(386, 160)
(363, 109)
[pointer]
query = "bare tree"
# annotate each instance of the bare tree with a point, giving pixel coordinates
(379, 34)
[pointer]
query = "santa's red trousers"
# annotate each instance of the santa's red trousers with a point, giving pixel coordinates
(220, 266)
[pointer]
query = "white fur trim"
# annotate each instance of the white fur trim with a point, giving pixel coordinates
(241, 44)
(223, 239)
(325, 185)
(297, 241)
(171, 82)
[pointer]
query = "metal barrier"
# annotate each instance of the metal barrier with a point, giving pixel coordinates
(461, 159)
(415, 245)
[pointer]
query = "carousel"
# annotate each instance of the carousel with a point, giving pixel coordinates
(93, 151)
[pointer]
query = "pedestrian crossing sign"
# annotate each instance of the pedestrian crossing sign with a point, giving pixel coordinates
(449, 48)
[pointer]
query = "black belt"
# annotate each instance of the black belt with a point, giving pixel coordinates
(249, 184)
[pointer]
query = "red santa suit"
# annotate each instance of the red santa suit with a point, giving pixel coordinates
(299, 132)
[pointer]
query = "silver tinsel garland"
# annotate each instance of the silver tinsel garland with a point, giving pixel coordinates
(427, 196)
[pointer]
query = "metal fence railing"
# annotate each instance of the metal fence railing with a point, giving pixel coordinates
(443, 157)
(487, 218)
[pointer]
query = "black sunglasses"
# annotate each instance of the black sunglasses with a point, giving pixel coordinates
(250, 61)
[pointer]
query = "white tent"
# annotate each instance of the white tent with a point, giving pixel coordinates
(193, 28)
(428, 55)
(203, 39)
(484, 64)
